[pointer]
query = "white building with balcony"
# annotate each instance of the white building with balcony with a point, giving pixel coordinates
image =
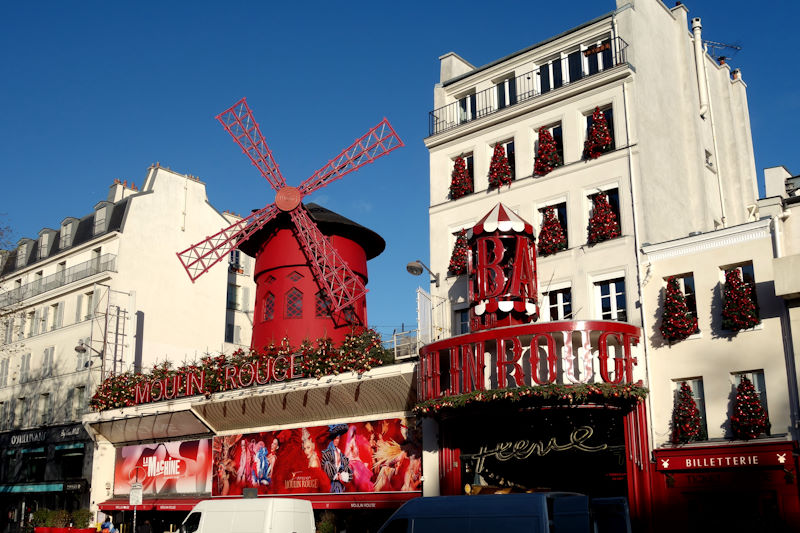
(680, 178)
(103, 293)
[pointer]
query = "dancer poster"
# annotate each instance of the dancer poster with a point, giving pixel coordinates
(164, 468)
(375, 456)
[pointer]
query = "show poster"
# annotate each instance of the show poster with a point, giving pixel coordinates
(164, 468)
(374, 456)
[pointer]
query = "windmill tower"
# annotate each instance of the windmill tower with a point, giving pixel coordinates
(287, 240)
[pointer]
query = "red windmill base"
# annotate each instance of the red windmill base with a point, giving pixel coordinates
(289, 301)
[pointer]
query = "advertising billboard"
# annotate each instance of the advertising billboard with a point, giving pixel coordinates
(164, 468)
(375, 456)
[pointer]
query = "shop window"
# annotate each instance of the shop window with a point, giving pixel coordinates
(610, 298)
(33, 464)
(558, 303)
(70, 459)
(462, 321)
(506, 93)
(294, 304)
(698, 395)
(269, 307)
(756, 377)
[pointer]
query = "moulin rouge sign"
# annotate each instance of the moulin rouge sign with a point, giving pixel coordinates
(273, 369)
(505, 348)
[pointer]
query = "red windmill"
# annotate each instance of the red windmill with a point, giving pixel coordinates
(337, 280)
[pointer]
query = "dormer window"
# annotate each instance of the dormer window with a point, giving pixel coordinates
(100, 217)
(22, 254)
(66, 234)
(44, 243)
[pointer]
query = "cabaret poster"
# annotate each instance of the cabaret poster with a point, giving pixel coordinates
(165, 468)
(374, 456)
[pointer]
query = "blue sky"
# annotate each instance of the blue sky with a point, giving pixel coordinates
(92, 91)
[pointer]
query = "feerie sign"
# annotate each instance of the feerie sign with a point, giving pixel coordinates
(274, 369)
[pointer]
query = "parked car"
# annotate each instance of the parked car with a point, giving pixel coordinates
(542, 512)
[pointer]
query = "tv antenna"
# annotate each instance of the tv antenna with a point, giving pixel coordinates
(722, 51)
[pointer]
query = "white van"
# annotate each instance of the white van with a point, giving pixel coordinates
(250, 515)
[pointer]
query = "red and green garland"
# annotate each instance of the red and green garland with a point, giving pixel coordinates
(499, 169)
(677, 322)
(603, 225)
(359, 352)
(460, 181)
(749, 419)
(458, 259)
(686, 423)
(625, 395)
(547, 155)
(738, 308)
(551, 236)
(599, 139)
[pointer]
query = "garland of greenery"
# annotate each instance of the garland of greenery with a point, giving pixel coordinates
(626, 394)
(360, 351)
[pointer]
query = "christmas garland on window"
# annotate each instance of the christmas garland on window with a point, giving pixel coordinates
(739, 310)
(603, 225)
(458, 259)
(499, 169)
(677, 322)
(599, 139)
(547, 155)
(749, 419)
(686, 423)
(551, 236)
(460, 180)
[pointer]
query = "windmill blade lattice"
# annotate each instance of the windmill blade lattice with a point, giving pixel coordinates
(332, 273)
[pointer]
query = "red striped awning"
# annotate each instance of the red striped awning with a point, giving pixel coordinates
(502, 219)
(123, 504)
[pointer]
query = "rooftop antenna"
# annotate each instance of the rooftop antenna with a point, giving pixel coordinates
(721, 51)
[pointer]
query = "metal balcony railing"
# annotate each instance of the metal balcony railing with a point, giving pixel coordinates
(526, 86)
(104, 263)
(403, 344)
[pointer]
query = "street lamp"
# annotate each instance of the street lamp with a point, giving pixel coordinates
(415, 268)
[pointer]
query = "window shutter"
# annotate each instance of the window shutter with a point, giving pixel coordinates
(60, 321)
(67, 410)
(37, 318)
(246, 299)
(237, 335)
(78, 307)
(48, 414)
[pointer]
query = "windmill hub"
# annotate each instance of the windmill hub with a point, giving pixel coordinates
(287, 198)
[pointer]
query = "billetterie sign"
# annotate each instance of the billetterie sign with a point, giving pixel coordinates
(183, 384)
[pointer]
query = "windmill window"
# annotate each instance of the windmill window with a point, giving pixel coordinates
(270, 279)
(269, 306)
(295, 276)
(294, 304)
(323, 307)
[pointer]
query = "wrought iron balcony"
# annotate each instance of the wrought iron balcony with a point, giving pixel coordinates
(560, 73)
(104, 263)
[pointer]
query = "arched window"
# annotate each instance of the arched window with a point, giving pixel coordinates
(269, 306)
(294, 304)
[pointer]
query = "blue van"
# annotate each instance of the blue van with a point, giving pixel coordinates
(542, 512)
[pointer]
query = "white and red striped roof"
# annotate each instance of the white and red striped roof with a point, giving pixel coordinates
(502, 219)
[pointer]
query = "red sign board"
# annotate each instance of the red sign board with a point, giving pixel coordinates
(725, 457)
(164, 468)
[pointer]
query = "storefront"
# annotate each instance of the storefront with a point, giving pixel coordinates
(46, 468)
(348, 443)
(742, 486)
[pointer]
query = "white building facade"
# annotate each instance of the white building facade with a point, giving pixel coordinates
(680, 178)
(101, 294)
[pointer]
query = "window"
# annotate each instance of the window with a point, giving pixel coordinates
(550, 76)
(96, 255)
(33, 464)
(295, 276)
(610, 296)
(45, 409)
(323, 306)
(756, 377)
(599, 56)
(608, 112)
(234, 261)
(38, 278)
(24, 368)
(462, 321)
(69, 457)
(44, 240)
(4, 372)
(9, 323)
(21, 332)
(44, 316)
(58, 315)
(698, 395)
(61, 270)
(294, 304)
(22, 253)
(30, 321)
(66, 235)
(19, 411)
(558, 303)
(4, 417)
(575, 65)
(558, 136)
(78, 402)
(508, 146)
(100, 220)
(89, 304)
(686, 283)
(230, 333)
(269, 306)
(560, 211)
(233, 296)
(82, 359)
(612, 195)
(30, 412)
(47, 362)
(466, 108)
(506, 93)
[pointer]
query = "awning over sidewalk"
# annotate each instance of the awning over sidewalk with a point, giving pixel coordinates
(123, 504)
(32, 487)
(176, 504)
(149, 427)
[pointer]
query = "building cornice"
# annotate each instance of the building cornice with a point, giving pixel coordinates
(703, 242)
